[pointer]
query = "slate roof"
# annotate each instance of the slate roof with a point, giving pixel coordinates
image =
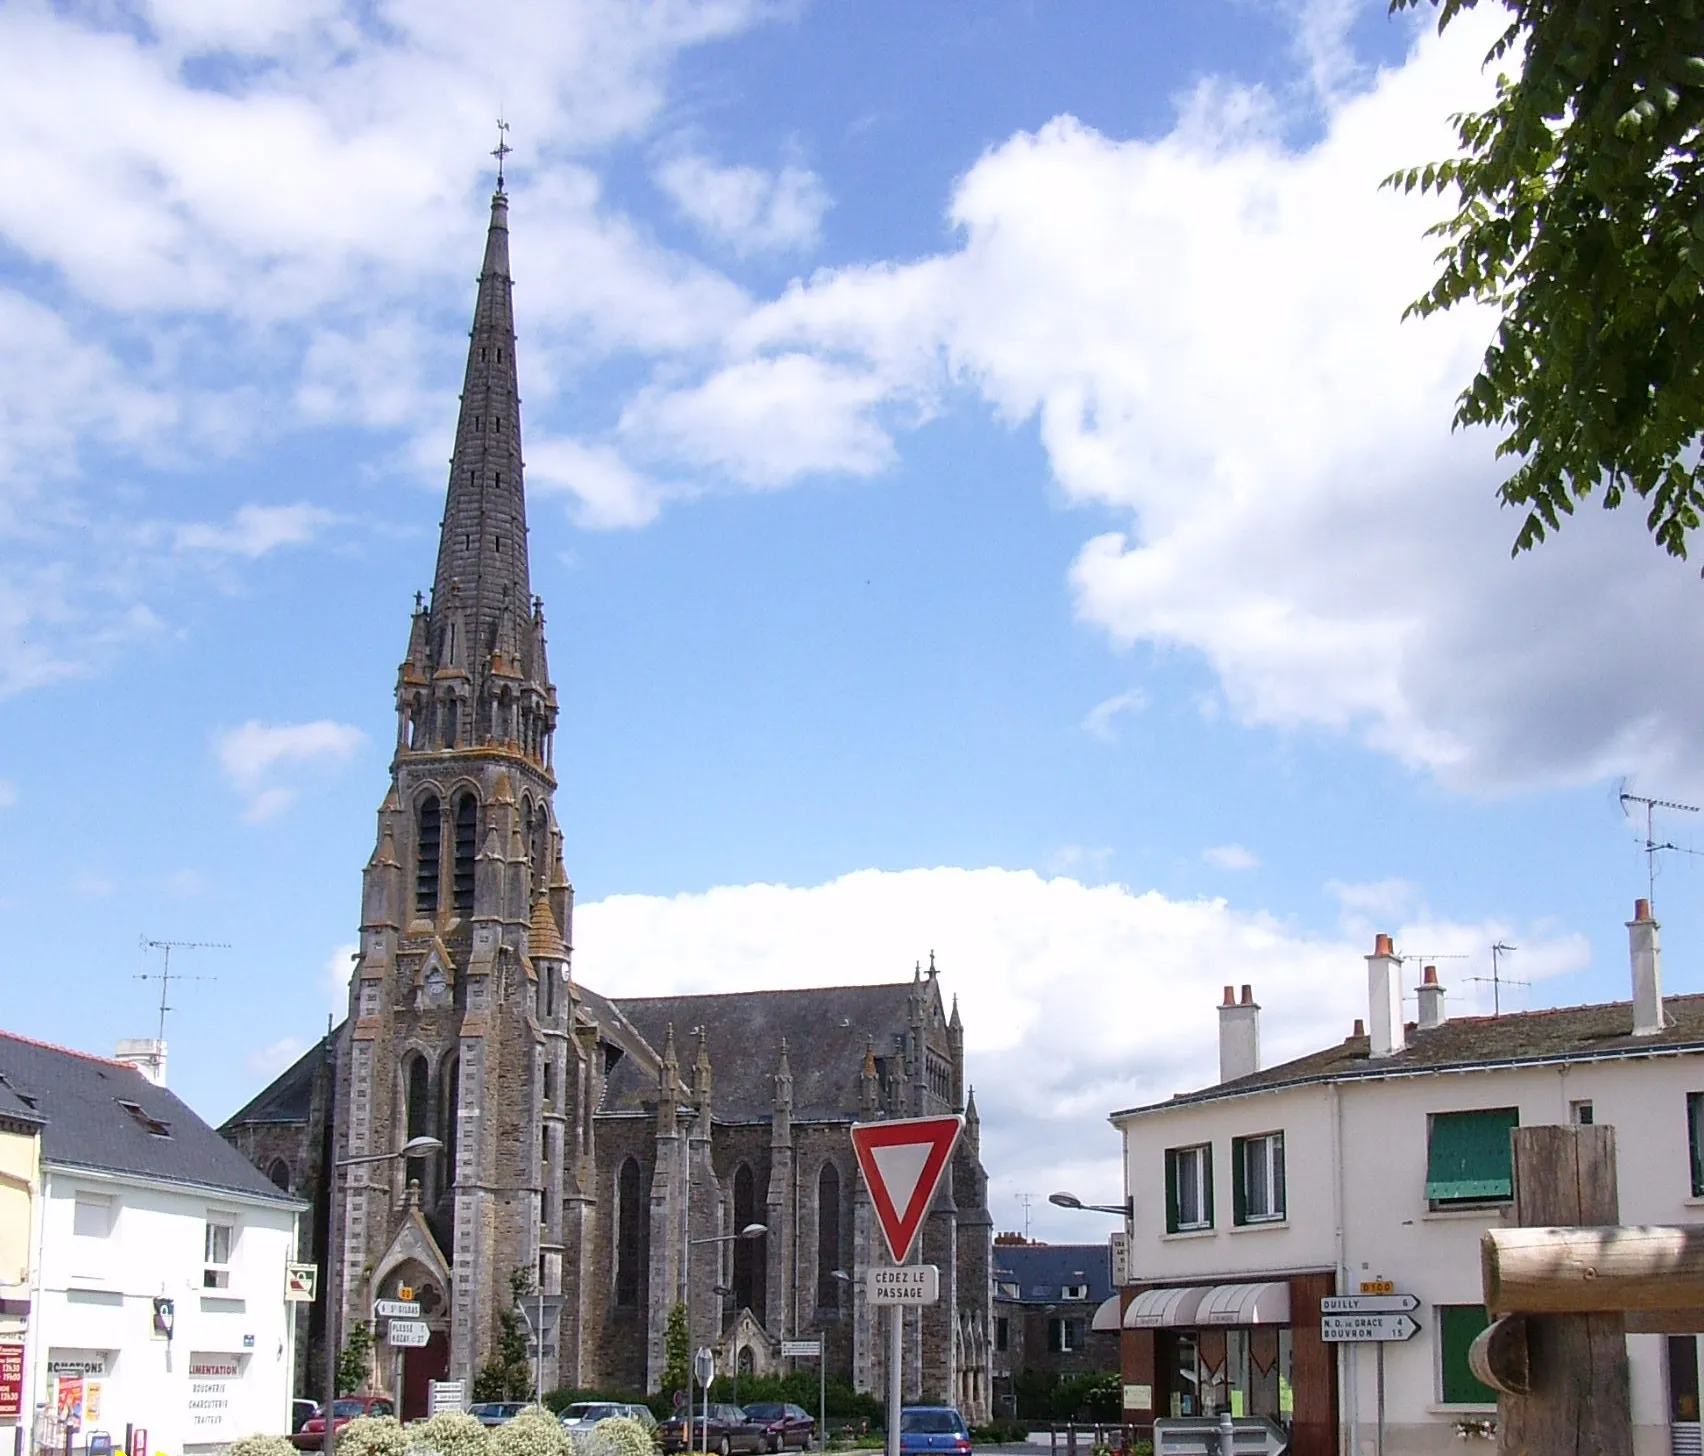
(289, 1097)
(827, 1030)
(1566, 1033)
(1041, 1270)
(78, 1098)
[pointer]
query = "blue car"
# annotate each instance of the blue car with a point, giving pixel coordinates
(936, 1429)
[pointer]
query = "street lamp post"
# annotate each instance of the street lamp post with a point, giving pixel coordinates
(750, 1231)
(1125, 1210)
(413, 1148)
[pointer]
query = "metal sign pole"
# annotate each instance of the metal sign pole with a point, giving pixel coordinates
(896, 1356)
(822, 1392)
(1379, 1366)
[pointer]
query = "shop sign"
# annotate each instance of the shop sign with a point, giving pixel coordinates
(210, 1375)
(11, 1383)
(76, 1362)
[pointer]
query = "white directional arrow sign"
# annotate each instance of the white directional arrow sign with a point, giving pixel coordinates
(1339, 1329)
(1369, 1304)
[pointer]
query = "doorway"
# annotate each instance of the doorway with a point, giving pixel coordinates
(420, 1367)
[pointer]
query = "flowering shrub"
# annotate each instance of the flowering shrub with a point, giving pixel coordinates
(450, 1433)
(261, 1446)
(372, 1436)
(534, 1432)
(617, 1436)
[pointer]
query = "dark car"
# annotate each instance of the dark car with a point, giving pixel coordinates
(728, 1431)
(932, 1428)
(496, 1412)
(301, 1412)
(312, 1435)
(784, 1424)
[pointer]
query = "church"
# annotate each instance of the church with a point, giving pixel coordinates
(600, 1152)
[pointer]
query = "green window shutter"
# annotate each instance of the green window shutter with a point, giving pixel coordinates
(1171, 1190)
(1468, 1155)
(1239, 1181)
(1207, 1185)
(1694, 1139)
(1458, 1324)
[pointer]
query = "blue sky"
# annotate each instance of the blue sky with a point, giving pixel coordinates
(983, 496)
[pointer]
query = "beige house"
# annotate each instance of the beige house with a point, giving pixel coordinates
(20, 1218)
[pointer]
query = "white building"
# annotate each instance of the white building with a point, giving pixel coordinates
(157, 1294)
(1380, 1162)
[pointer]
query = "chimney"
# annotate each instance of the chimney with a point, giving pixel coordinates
(1239, 1035)
(146, 1055)
(1431, 999)
(1647, 960)
(1384, 1000)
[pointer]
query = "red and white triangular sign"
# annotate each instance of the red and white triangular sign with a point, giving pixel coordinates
(902, 1162)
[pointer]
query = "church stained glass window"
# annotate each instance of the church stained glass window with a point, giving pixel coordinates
(628, 1250)
(426, 839)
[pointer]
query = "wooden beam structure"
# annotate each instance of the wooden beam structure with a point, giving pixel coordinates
(1587, 1270)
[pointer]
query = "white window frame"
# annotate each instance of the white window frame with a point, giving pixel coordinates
(216, 1272)
(1191, 1163)
(1074, 1291)
(1262, 1146)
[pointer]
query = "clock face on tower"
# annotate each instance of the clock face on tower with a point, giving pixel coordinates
(437, 988)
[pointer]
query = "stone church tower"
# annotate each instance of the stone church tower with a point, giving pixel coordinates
(458, 1024)
(598, 1153)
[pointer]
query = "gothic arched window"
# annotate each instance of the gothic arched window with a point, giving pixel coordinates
(279, 1173)
(828, 1237)
(467, 844)
(629, 1211)
(749, 1258)
(417, 1110)
(428, 830)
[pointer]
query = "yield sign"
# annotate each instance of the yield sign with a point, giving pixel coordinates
(902, 1162)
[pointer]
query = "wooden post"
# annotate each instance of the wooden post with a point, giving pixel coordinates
(1578, 1402)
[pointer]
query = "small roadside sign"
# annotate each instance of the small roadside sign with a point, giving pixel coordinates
(396, 1309)
(300, 1281)
(902, 1161)
(908, 1284)
(1369, 1304)
(445, 1395)
(407, 1334)
(704, 1367)
(801, 1349)
(1357, 1329)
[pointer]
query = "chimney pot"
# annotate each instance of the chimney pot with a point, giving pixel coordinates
(1381, 944)
(1360, 1028)
(1428, 975)
(1641, 909)
(1647, 964)
(1431, 999)
(1239, 1035)
(1385, 1035)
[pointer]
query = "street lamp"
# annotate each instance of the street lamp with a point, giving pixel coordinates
(416, 1147)
(1125, 1210)
(750, 1231)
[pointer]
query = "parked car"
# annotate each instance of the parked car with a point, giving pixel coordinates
(784, 1424)
(496, 1412)
(301, 1412)
(932, 1428)
(312, 1435)
(584, 1414)
(728, 1431)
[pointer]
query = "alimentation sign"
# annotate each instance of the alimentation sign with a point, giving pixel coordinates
(211, 1378)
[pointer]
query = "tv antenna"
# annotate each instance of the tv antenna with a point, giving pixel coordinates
(1430, 957)
(1026, 1199)
(1652, 848)
(165, 975)
(1497, 980)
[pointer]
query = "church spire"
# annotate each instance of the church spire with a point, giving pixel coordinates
(482, 544)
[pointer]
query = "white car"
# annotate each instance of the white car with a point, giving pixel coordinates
(584, 1414)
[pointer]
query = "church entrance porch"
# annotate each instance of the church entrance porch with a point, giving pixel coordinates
(420, 1367)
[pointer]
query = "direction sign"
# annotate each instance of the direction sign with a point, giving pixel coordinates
(1356, 1329)
(902, 1162)
(704, 1366)
(407, 1333)
(909, 1284)
(396, 1309)
(801, 1349)
(1368, 1304)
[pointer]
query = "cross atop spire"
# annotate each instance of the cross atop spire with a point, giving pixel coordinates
(502, 149)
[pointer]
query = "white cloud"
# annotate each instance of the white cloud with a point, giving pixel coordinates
(251, 755)
(185, 884)
(1099, 719)
(268, 1061)
(255, 530)
(1023, 954)
(748, 209)
(1231, 857)
(608, 492)
(93, 886)
(334, 979)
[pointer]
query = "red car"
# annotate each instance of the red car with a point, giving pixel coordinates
(784, 1425)
(312, 1435)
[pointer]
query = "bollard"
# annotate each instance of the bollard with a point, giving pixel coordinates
(1227, 1434)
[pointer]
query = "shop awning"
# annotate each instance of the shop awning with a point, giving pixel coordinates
(1212, 1304)
(1106, 1315)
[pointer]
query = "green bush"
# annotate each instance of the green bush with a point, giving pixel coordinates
(617, 1436)
(450, 1433)
(534, 1432)
(372, 1436)
(261, 1446)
